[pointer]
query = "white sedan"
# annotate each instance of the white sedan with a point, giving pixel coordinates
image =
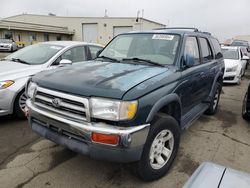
(235, 64)
(16, 69)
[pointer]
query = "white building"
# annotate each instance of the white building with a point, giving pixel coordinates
(89, 29)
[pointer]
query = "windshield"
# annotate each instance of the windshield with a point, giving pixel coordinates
(159, 48)
(5, 41)
(230, 54)
(239, 43)
(36, 54)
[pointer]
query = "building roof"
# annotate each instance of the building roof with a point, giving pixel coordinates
(82, 17)
(14, 25)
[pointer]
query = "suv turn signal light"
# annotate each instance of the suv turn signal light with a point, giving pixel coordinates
(105, 139)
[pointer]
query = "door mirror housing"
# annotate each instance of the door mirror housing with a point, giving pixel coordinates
(245, 57)
(64, 62)
(189, 61)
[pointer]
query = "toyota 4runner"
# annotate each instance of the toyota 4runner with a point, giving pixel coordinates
(130, 103)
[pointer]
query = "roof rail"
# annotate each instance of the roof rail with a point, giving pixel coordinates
(184, 28)
(207, 33)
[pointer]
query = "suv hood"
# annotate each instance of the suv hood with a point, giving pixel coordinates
(10, 70)
(95, 78)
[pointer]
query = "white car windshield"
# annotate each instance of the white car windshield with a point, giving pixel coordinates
(35, 54)
(230, 54)
(158, 48)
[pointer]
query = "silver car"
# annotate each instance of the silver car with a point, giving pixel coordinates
(210, 175)
(16, 69)
(8, 45)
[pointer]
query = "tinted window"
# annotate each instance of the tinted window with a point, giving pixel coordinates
(206, 50)
(75, 54)
(217, 48)
(191, 48)
(93, 50)
(230, 53)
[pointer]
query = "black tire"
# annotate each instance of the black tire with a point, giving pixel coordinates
(17, 109)
(161, 123)
(213, 106)
(244, 109)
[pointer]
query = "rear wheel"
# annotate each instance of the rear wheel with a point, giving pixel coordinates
(213, 107)
(244, 109)
(160, 149)
(19, 105)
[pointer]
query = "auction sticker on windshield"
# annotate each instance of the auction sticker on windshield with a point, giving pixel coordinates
(163, 37)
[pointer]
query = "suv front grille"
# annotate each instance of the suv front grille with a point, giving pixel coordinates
(62, 104)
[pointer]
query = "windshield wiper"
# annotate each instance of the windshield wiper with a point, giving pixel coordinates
(19, 60)
(109, 58)
(144, 60)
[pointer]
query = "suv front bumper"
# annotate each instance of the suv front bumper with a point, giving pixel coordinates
(77, 135)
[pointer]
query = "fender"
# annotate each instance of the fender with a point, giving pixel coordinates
(173, 97)
(214, 84)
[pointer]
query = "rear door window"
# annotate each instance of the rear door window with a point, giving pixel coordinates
(217, 48)
(205, 50)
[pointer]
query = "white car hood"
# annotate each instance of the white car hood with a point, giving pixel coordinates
(229, 63)
(10, 70)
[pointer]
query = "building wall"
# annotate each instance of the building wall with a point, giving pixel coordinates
(23, 38)
(105, 24)
(243, 37)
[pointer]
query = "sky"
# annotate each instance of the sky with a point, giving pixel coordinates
(223, 18)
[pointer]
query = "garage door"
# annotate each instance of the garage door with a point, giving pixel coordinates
(121, 29)
(89, 32)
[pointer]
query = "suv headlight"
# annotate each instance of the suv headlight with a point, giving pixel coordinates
(31, 89)
(6, 84)
(232, 69)
(113, 110)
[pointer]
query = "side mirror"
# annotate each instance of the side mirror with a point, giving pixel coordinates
(64, 62)
(245, 57)
(98, 53)
(189, 60)
(248, 49)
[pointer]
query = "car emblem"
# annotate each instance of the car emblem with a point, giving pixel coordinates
(56, 102)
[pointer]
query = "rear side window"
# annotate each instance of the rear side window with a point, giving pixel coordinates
(191, 48)
(206, 50)
(217, 48)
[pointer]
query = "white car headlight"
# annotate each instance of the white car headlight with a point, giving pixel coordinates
(31, 89)
(6, 84)
(232, 69)
(113, 110)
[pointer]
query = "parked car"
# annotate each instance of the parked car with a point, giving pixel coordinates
(8, 45)
(245, 52)
(237, 42)
(131, 103)
(244, 46)
(16, 69)
(246, 105)
(210, 175)
(235, 64)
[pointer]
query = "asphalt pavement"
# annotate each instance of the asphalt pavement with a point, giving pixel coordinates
(29, 161)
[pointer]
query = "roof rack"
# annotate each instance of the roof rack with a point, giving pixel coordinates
(207, 33)
(184, 28)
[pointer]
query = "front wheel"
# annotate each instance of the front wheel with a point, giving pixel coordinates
(245, 115)
(160, 149)
(19, 105)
